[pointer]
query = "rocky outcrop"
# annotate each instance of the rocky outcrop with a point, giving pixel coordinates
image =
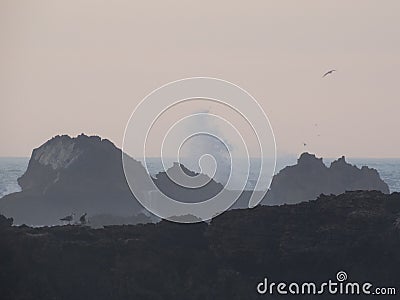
(310, 177)
(354, 232)
(65, 175)
(85, 175)
(184, 185)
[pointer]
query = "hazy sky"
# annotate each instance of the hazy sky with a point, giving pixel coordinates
(82, 66)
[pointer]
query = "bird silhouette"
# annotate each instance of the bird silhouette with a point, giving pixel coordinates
(328, 73)
(82, 219)
(68, 218)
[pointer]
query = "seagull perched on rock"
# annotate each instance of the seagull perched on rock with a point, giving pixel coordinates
(68, 218)
(82, 219)
(328, 73)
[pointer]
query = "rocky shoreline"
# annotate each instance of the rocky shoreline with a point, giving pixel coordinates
(358, 232)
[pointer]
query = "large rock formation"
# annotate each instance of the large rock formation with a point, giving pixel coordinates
(184, 185)
(65, 175)
(356, 232)
(85, 174)
(311, 177)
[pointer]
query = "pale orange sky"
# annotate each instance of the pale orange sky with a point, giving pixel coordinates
(68, 67)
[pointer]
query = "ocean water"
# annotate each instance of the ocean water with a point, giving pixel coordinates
(10, 169)
(389, 170)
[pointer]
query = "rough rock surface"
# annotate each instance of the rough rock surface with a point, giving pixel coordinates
(354, 232)
(65, 175)
(184, 185)
(310, 177)
(85, 175)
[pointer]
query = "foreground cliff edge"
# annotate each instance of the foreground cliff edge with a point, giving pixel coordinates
(84, 174)
(356, 232)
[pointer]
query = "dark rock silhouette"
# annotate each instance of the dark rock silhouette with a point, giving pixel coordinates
(355, 232)
(311, 177)
(84, 174)
(64, 175)
(184, 185)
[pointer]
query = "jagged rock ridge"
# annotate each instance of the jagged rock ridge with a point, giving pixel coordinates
(64, 175)
(184, 185)
(310, 177)
(85, 174)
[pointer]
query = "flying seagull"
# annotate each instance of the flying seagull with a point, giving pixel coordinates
(68, 218)
(328, 73)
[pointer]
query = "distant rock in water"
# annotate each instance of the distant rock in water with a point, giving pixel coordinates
(65, 175)
(181, 184)
(84, 174)
(311, 177)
